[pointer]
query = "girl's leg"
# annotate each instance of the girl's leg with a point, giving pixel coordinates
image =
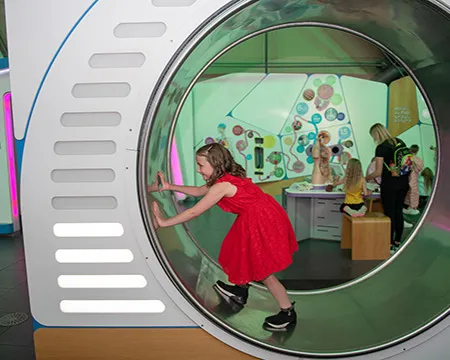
(278, 291)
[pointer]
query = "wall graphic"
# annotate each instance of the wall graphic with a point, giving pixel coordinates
(271, 127)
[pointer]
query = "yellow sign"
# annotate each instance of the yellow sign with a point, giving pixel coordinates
(403, 108)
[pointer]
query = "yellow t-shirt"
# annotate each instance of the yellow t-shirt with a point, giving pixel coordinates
(355, 195)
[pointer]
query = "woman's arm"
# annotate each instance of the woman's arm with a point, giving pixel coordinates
(215, 193)
(378, 169)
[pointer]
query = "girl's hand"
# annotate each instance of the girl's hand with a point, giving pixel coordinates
(159, 221)
(153, 187)
(164, 184)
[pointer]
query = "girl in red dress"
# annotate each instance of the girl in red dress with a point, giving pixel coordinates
(260, 242)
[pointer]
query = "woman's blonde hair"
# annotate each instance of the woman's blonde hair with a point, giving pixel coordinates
(222, 162)
(353, 175)
(428, 177)
(380, 134)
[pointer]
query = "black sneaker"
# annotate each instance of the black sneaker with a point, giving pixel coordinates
(282, 321)
(238, 294)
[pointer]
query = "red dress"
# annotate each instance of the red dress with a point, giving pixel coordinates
(261, 241)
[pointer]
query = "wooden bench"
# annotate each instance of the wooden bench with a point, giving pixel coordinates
(369, 237)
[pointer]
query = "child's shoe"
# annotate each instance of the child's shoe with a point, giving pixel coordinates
(282, 321)
(238, 294)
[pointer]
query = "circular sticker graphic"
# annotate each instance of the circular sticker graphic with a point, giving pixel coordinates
(303, 140)
(269, 141)
(317, 82)
(331, 114)
(331, 80)
(325, 91)
(288, 141)
(324, 136)
(250, 134)
(311, 136)
(298, 167)
(344, 133)
(249, 157)
(320, 104)
(302, 108)
(348, 144)
(300, 149)
(309, 94)
(310, 160)
(288, 129)
(336, 99)
(316, 118)
(209, 140)
(340, 116)
(274, 158)
(297, 125)
(238, 130)
(241, 145)
(279, 172)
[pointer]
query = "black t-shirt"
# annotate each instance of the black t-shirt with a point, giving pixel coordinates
(386, 151)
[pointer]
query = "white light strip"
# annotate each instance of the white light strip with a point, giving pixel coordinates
(102, 281)
(93, 256)
(88, 230)
(112, 306)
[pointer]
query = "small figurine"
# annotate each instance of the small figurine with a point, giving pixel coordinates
(321, 154)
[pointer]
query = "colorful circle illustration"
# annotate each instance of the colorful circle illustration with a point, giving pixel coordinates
(309, 94)
(344, 158)
(249, 157)
(316, 118)
(325, 91)
(298, 167)
(296, 125)
(331, 114)
(279, 172)
(238, 130)
(241, 145)
(310, 160)
(341, 116)
(317, 82)
(311, 136)
(344, 133)
(320, 104)
(274, 158)
(269, 141)
(302, 108)
(288, 141)
(336, 99)
(325, 136)
(331, 80)
(303, 140)
(300, 149)
(209, 140)
(348, 144)
(288, 129)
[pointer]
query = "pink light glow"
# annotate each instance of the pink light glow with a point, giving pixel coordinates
(10, 154)
(176, 168)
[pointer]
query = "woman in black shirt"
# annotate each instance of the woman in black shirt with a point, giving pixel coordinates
(393, 188)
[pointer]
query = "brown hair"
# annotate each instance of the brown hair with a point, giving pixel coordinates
(428, 177)
(222, 162)
(353, 175)
(414, 149)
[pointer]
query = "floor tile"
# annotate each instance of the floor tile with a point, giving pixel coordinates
(15, 300)
(10, 278)
(10, 352)
(20, 335)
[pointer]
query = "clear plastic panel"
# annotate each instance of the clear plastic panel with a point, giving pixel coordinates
(408, 293)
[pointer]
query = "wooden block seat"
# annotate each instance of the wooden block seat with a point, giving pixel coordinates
(369, 237)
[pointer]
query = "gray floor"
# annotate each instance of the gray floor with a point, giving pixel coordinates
(16, 342)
